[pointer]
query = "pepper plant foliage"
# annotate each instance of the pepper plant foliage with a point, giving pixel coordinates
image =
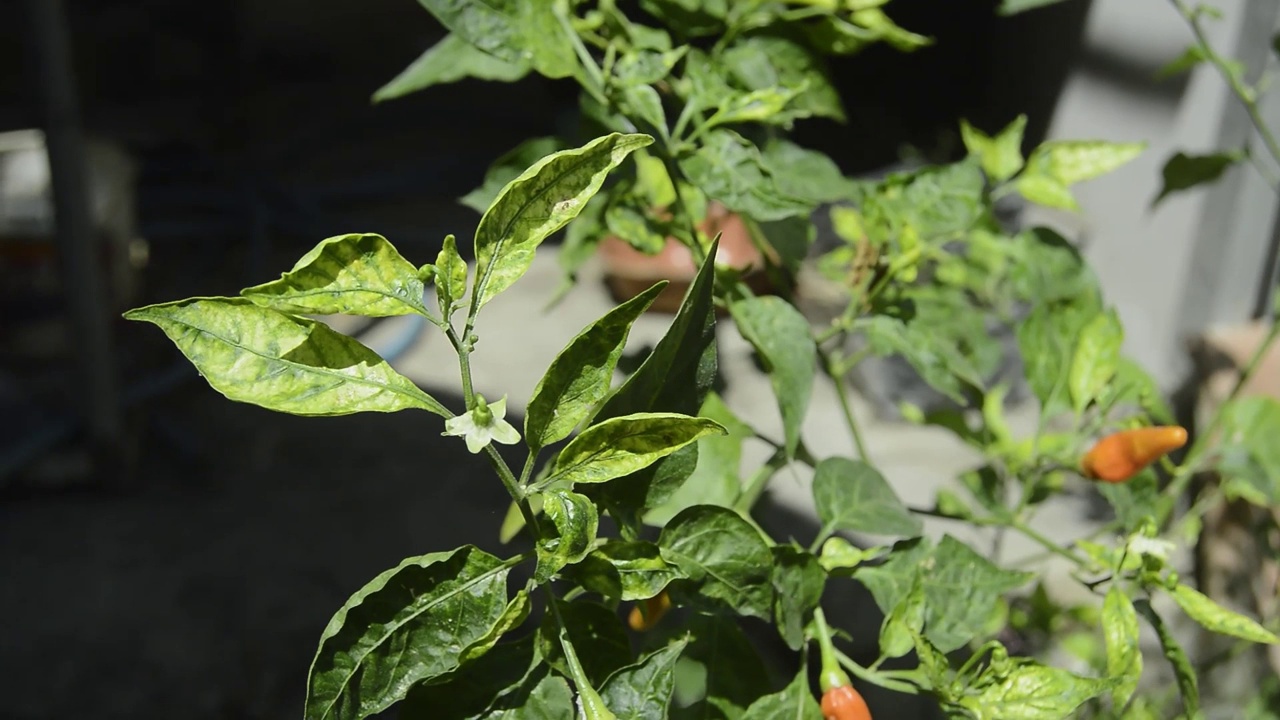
(684, 114)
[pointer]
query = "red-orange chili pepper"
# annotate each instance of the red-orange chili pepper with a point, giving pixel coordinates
(654, 608)
(1121, 455)
(844, 703)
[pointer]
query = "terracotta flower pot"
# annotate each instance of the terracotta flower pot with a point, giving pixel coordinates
(628, 272)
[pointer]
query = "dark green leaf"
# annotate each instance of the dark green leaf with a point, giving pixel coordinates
(1183, 171)
(805, 174)
(632, 224)
(791, 238)
(598, 638)
(852, 495)
(904, 624)
(451, 277)
(548, 699)
(507, 673)
(282, 362)
(725, 559)
(539, 202)
(1124, 654)
(794, 702)
(620, 446)
(508, 168)
(648, 66)
(1047, 341)
(516, 612)
(735, 676)
(689, 17)
(433, 605)
(1031, 691)
(715, 479)
(569, 536)
(1215, 618)
(492, 26)
(729, 168)
(450, 60)
(579, 376)
(1094, 362)
(356, 274)
(642, 691)
(960, 587)
(760, 62)
(625, 570)
(798, 581)
(546, 40)
(1183, 671)
(780, 335)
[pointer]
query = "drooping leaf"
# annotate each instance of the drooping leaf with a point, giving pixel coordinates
(539, 202)
(598, 638)
(437, 605)
(568, 538)
(507, 168)
(1031, 691)
(781, 336)
(794, 702)
(798, 581)
(1096, 357)
(1124, 654)
(726, 562)
(728, 168)
(1215, 618)
(355, 274)
(450, 60)
(960, 587)
(1001, 156)
(852, 495)
(579, 376)
(283, 362)
(1183, 172)
(625, 570)
(642, 691)
(620, 446)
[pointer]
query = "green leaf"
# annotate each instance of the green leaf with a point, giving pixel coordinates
(1134, 384)
(852, 495)
(728, 168)
(451, 277)
(598, 638)
(648, 66)
(504, 677)
(1136, 500)
(840, 554)
(548, 699)
(642, 691)
(579, 376)
(1073, 161)
(735, 676)
(1182, 171)
(1044, 190)
(491, 26)
(282, 362)
(1251, 466)
(437, 604)
(1031, 691)
(904, 624)
(450, 60)
(798, 581)
(625, 570)
(1094, 363)
(1046, 339)
(929, 351)
(960, 587)
(1215, 618)
(1124, 654)
(1001, 156)
(1047, 268)
(620, 446)
(715, 480)
(355, 274)
(780, 335)
(761, 62)
(761, 106)
(689, 17)
(508, 168)
(1191, 57)
(1013, 7)
(1183, 671)
(794, 702)
(569, 537)
(805, 174)
(630, 222)
(645, 104)
(516, 612)
(726, 561)
(546, 40)
(539, 202)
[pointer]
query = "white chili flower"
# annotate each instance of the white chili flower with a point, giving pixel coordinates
(1140, 545)
(483, 424)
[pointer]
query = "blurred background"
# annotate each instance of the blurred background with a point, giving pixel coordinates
(164, 552)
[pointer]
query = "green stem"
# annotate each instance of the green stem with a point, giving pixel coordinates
(758, 482)
(824, 534)
(846, 407)
(594, 82)
(593, 708)
(832, 676)
(877, 678)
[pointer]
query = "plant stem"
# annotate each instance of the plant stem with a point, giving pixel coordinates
(592, 706)
(846, 408)
(595, 78)
(832, 676)
(876, 678)
(758, 482)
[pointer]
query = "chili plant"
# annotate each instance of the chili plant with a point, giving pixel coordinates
(925, 269)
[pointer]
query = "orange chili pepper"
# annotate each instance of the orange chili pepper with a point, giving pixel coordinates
(1121, 455)
(654, 608)
(844, 703)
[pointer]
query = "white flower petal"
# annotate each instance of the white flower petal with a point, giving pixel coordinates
(459, 425)
(503, 432)
(478, 440)
(499, 408)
